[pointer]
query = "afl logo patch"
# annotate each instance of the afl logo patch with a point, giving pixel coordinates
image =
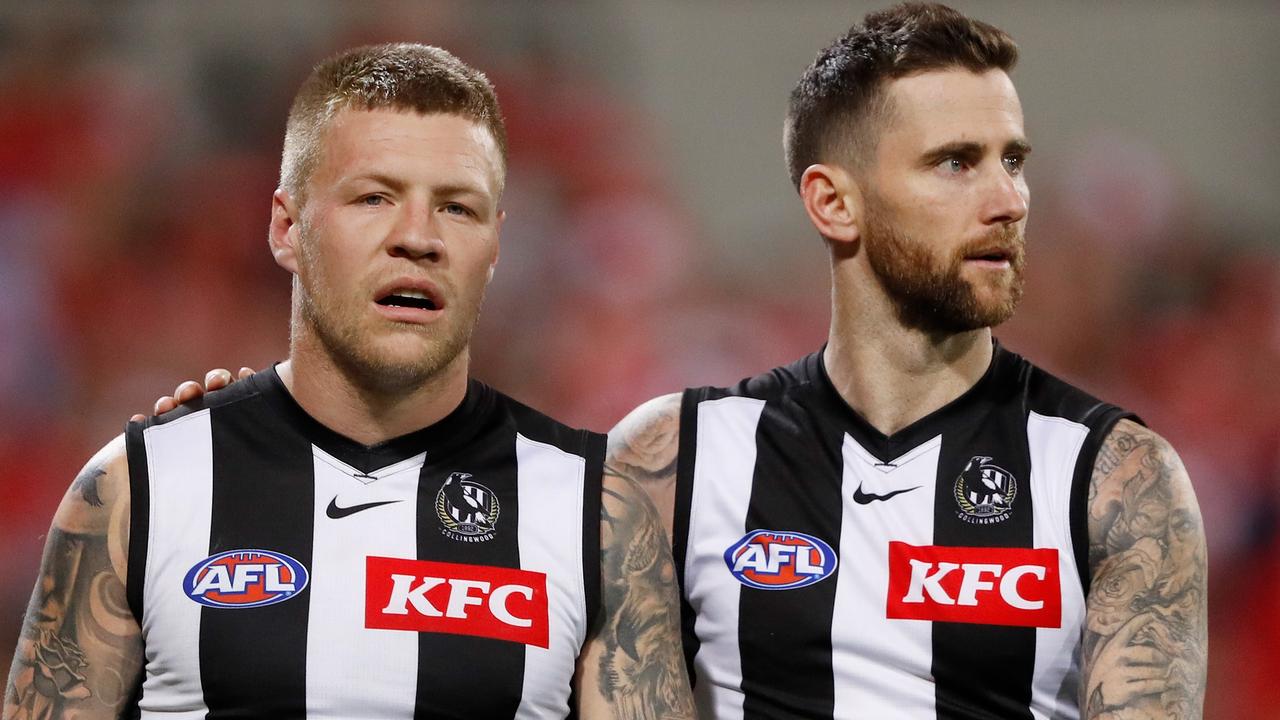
(468, 511)
(985, 492)
(780, 560)
(244, 579)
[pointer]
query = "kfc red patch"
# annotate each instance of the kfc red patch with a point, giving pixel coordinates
(987, 586)
(481, 600)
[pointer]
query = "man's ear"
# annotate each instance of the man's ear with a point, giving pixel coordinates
(283, 234)
(832, 202)
(497, 244)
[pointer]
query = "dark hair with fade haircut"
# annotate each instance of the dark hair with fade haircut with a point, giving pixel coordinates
(837, 100)
(396, 76)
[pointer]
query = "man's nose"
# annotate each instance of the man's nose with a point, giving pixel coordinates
(416, 236)
(1006, 201)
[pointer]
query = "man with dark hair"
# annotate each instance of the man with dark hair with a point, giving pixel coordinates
(915, 522)
(361, 530)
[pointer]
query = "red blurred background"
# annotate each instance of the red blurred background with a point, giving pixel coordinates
(139, 145)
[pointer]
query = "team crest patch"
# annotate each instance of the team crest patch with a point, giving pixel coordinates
(245, 579)
(780, 560)
(468, 511)
(985, 492)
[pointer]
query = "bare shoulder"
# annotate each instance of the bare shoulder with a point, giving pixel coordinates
(97, 503)
(643, 448)
(80, 652)
(644, 444)
(1146, 638)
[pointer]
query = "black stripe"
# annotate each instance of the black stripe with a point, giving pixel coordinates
(796, 487)
(685, 460)
(996, 681)
(253, 660)
(461, 676)
(139, 516)
(593, 483)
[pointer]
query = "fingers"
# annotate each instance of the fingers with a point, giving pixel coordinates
(188, 391)
(138, 418)
(192, 390)
(215, 379)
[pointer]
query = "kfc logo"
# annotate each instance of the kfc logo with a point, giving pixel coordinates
(423, 596)
(988, 586)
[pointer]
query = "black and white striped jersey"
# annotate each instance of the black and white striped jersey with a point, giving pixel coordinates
(281, 570)
(830, 571)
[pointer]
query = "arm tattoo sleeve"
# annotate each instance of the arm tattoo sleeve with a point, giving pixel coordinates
(641, 670)
(1146, 636)
(642, 447)
(80, 651)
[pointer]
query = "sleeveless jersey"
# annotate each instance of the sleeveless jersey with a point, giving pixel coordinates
(830, 571)
(278, 569)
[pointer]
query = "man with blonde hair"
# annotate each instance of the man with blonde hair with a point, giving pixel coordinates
(361, 530)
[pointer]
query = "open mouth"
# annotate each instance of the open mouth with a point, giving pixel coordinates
(993, 255)
(409, 299)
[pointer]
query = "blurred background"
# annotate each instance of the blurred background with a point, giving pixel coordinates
(653, 241)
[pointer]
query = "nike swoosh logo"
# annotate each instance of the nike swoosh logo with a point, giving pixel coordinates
(338, 513)
(866, 498)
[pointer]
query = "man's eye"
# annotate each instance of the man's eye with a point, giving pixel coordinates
(372, 200)
(456, 209)
(954, 165)
(1013, 163)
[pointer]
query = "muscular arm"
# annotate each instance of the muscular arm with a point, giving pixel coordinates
(632, 667)
(642, 448)
(1146, 627)
(80, 652)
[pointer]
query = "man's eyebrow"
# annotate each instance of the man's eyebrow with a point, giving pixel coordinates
(1019, 146)
(380, 178)
(965, 149)
(971, 150)
(459, 189)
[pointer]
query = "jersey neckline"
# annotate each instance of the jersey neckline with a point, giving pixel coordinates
(887, 448)
(461, 424)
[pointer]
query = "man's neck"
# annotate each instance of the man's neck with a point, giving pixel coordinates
(893, 375)
(367, 416)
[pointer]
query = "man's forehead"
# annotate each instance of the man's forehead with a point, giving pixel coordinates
(954, 100)
(357, 137)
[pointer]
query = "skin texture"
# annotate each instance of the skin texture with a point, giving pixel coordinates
(80, 652)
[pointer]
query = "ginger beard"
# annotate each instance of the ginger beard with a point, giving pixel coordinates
(373, 358)
(930, 291)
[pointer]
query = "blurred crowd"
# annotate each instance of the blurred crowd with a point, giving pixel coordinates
(133, 211)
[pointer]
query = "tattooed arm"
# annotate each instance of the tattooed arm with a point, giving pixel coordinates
(1146, 627)
(632, 667)
(80, 652)
(642, 448)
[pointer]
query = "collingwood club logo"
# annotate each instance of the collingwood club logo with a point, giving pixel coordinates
(985, 492)
(467, 510)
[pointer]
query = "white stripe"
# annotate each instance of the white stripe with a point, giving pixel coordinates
(550, 485)
(353, 671)
(180, 474)
(722, 477)
(1055, 445)
(881, 667)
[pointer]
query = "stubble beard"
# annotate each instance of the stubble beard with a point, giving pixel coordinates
(929, 292)
(343, 339)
